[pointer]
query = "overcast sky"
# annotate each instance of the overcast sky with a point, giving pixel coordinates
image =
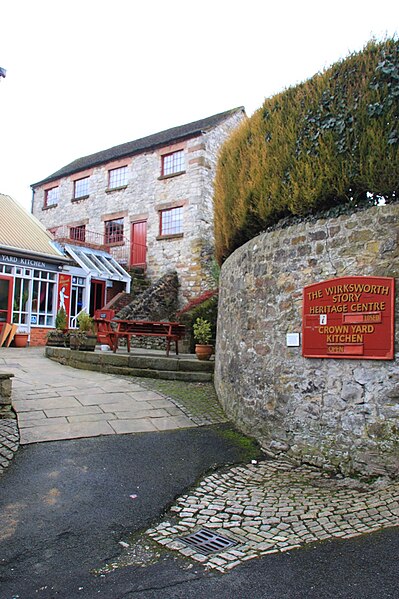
(85, 75)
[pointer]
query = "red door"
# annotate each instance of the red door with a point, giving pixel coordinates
(138, 244)
(6, 291)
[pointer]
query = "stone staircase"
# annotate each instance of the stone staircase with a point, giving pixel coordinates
(138, 285)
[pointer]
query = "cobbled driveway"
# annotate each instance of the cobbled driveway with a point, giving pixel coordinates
(275, 506)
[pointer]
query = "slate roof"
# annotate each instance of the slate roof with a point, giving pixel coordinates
(141, 145)
(21, 231)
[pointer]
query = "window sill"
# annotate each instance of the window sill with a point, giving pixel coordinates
(173, 236)
(49, 207)
(81, 198)
(111, 189)
(162, 177)
(113, 244)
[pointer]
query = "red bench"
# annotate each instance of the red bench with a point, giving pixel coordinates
(110, 330)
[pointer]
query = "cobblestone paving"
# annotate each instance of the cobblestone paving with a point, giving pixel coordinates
(275, 506)
(9, 441)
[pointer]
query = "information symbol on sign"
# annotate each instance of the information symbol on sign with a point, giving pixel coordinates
(323, 318)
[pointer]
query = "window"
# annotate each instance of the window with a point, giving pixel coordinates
(117, 177)
(81, 188)
(77, 299)
(173, 163)
(171, 221)
(21, 300)
(51, 196)
(78, 233)
(114, 230)
(43, 298)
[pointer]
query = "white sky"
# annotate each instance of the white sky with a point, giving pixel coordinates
(85, 75)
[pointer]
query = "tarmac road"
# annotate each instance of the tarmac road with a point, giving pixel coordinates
(65, 505)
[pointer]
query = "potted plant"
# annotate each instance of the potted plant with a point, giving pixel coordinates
(202, 335)
(84, 339)
(21, 337)
(59, 337)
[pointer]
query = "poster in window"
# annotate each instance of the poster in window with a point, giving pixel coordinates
(64, 293)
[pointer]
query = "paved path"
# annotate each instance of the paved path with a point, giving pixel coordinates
(55, 402)
(273, 506)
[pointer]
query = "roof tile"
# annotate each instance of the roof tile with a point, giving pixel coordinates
(140, 145)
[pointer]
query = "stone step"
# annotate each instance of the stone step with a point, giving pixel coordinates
(171, 375)
(182, 368)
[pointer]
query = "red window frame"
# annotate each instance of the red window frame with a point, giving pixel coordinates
(173, 163)
(77, 184)
(8, 311)
(78, 233)
(120, 174)
(113, 231)
(48, 192)
(171, 221)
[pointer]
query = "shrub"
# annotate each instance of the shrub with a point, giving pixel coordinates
(86, 324)
(330, 141)
(61, 321)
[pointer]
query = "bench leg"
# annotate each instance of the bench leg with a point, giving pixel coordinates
(177, 347)
(128, 344)
(167, 346)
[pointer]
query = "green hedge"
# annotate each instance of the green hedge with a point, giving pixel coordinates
(331, 140)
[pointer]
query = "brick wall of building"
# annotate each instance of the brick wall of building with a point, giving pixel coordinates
(38, 336)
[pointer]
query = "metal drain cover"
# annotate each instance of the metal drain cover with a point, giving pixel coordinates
(205, 541)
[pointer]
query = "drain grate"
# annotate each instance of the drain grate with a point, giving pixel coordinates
(205, 541)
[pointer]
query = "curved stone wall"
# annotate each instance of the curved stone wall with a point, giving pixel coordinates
(336, 413)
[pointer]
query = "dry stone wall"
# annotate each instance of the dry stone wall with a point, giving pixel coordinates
(342, 415)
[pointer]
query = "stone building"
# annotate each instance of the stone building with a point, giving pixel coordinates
(148, 201)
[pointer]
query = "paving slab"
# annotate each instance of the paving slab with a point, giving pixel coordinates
(66, 430)
(70, 411)
(133, 426)
(173, 422)
(56, 402)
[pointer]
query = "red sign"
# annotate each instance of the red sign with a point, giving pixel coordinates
(64, 293)
(349, 317)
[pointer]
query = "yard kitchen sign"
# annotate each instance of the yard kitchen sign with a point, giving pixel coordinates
(349, 317)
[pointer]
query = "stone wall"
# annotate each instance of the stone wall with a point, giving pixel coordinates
(339, 414)
(5, 395)
(157, 303)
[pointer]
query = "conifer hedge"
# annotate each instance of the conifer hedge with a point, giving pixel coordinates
(331, 140)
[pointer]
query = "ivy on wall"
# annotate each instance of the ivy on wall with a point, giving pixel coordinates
(330, 141)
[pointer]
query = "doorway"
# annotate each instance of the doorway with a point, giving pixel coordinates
(6, 293)
(97, 295)
(138, 244)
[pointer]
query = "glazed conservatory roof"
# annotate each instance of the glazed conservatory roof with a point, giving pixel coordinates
(97, 263)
